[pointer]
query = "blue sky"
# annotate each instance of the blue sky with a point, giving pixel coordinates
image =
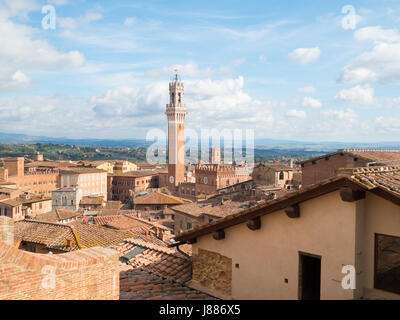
(286, 69)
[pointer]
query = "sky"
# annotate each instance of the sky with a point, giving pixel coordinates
(293, 70)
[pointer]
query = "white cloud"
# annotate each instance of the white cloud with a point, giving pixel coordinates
(293, 113)
(346, 117)
(211, 104)
(309, 102)
(73, 23)
(305, 55)
(129, 21)
(379, 65)
(58, 2)
(20, 8)
(188, 70)
(307, 90)
(22, 49)
(388, 125)
(377, 34)
(13, 82)
(358, 94)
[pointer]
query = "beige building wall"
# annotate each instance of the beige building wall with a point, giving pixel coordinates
(382, 217)
(91, 184)
(326, 228)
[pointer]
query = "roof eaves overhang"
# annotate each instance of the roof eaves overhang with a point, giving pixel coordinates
(281, 203)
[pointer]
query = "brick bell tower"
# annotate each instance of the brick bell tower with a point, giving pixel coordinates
(176, 115)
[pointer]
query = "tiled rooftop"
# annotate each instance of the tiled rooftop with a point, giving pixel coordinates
(58, 215)
(277, 166)
(138, 228)
(136, 174)
(150, 272)
(87, 200)
(81, 170)
(372, 177)
(55, 236)
(157, 198)
(162, 261)
(379, 156)
(138, 284)
(220, 210)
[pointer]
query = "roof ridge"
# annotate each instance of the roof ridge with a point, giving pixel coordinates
(74, 232)
(45, 222)
(367, 150)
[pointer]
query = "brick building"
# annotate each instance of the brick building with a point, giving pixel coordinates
(121, 187)
(90, 274)
(323, 167)
(66, 198)
(12, 209)
(296, 247)
(92, 181)
(155, 201)
(212, 177)
(276, 174)
(33, 178)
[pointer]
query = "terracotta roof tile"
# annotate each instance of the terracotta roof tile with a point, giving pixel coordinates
(157, 198)
(58, 215)
(154, 273)
(197, 209)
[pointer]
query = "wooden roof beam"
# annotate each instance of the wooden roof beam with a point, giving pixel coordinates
(293, 211)
(348, 194)
(254, 224)
(219, 235)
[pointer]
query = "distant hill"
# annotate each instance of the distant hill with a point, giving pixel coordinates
(259, 144)
(23, 138)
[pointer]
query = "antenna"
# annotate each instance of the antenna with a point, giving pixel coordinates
(177, 78)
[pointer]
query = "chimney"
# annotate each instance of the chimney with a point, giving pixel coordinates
(69, 243)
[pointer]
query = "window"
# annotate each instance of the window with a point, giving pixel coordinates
(210, 220)
(387, 263)
(281, 175)
(188, 226)
(181, 224)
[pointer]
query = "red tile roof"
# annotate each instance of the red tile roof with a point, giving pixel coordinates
(380, 156)
(154, 272)
(157, 198)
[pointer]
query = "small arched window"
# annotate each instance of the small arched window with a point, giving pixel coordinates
(281, 175)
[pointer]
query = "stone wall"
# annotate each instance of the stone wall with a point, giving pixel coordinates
(213, 272)
(80, 275)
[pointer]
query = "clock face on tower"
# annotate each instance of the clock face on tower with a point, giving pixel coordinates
(171, 179)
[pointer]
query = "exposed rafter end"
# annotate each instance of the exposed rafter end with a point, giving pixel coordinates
(219, 235)
(254, 224)
(349, 195)
(293, 211)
